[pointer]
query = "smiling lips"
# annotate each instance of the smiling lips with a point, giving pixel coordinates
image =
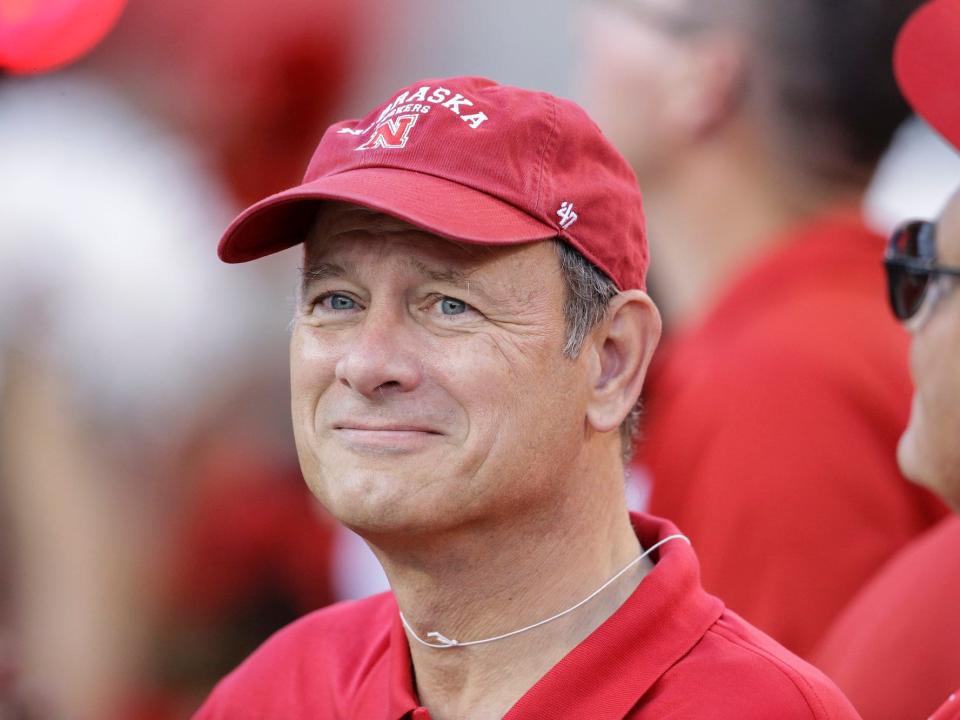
(384, 427)
(384, 437)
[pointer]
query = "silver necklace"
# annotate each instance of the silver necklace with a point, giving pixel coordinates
(443, 641)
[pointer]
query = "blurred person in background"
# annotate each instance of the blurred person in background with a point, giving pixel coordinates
(754, 128)
(32, 44)
(248, 84)
(154, 518)
(894, 649)
(107, 348)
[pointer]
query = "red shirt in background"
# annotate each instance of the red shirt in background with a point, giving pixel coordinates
(670, 651)
(895, 650)
(772, 433)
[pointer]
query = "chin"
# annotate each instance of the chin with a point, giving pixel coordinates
(922, 464)
(910, 457)
(375, 501)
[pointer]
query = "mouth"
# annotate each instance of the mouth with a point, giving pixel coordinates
(384, 428)
(384, 438)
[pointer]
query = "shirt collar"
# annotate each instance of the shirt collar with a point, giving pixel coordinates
(387, 691)
(659, 623)
(608, 673)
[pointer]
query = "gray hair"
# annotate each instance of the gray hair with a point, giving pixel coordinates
(588, 292)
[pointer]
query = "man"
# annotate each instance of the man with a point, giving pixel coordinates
(754, 126)
(894, 649)
(471, 339)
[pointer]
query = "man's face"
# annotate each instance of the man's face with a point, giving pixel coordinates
(429, 387)
(629, 74)
(929, 450)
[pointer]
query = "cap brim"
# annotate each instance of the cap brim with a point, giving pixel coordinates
(437, 205)
(927, 65)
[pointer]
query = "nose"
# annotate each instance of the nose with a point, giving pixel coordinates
(380, 358)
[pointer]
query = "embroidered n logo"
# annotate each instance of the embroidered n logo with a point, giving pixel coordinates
(392, 133)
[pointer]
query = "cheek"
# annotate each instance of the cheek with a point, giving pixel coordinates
(312, 370)
(911, 454)
(513, 391)
(935, 365)
(930, 450)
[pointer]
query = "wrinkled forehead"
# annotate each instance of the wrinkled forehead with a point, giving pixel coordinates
(353, 235)
(340, 226)
(335, 219)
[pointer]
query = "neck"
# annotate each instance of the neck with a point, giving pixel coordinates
(715, 211)
(488, 580)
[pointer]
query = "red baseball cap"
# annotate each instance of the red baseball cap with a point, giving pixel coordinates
(472, 161)
(927, 65)
(40, 36)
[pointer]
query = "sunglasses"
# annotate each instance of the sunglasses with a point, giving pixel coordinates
(914, 278)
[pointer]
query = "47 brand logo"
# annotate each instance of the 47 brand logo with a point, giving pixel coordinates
(392, 133)
(567, 215)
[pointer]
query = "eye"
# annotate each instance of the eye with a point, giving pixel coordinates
(452, 306)
(340, 302)
(336, 302)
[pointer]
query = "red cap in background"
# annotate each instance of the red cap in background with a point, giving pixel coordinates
(473, 161)
(927, 65)
(251, 82)
(40, 35)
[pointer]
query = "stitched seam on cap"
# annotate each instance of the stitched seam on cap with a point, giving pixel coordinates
(547, 143)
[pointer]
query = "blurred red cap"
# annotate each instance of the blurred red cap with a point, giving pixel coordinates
(927, 65)
(251, 81)
(39, 35)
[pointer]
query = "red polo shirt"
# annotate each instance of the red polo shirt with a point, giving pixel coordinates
(895, 650)
(670, 651)
(772, 432)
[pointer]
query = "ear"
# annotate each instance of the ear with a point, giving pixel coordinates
(621, 348)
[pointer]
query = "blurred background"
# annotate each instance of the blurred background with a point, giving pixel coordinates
(154, 527)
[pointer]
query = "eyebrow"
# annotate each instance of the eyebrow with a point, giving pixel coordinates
(317, 272)
(322, 271)
(447, 275)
